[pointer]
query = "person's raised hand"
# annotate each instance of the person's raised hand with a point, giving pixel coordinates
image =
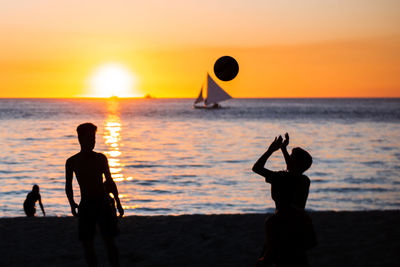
(285, 142)
(276, 144)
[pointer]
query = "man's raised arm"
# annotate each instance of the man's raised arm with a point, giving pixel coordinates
(259, 166)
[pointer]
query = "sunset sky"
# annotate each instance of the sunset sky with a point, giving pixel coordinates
(308, 48)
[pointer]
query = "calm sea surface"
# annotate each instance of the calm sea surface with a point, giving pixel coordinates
(168, 158)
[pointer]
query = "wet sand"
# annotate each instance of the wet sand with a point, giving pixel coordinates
(345, 239)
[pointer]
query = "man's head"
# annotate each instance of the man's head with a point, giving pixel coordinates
(300, 160)
(87, 135)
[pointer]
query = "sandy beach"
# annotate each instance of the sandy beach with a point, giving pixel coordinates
(345, 239)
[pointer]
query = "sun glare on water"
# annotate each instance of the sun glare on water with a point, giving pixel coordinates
(113, 80)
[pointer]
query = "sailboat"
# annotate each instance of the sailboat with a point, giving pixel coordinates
(215, 94)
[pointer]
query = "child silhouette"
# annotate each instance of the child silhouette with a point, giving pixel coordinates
(29, 203)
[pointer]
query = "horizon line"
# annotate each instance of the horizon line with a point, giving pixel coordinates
(154, 97)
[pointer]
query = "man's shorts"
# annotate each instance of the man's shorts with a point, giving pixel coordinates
(95, 212)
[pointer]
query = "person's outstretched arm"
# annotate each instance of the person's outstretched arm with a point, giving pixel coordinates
(41, 205)
(68, 187)
(259, 166)
(113, 187)
(285, 143)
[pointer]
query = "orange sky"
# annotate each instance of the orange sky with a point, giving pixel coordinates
(329, 48)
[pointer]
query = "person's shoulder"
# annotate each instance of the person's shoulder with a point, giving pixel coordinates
(100, 156)
(71, 159)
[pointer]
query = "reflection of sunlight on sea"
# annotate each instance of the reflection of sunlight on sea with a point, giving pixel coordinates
(112, 140)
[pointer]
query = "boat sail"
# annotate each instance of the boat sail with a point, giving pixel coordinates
(200, 97)
(215, 94)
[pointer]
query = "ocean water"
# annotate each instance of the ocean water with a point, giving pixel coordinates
(168, 158)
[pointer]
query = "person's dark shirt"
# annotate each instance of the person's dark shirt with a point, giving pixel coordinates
(89, 168)
(289, 189)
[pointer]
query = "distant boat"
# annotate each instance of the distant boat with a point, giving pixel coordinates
(215, 95)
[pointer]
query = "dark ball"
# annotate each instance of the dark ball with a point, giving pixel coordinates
(226, 68)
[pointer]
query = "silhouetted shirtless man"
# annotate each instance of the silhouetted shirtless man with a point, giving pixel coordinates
(29, 203)
(89, 168)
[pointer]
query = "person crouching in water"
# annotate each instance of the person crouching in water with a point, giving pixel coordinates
(289, 233)
(29, 203)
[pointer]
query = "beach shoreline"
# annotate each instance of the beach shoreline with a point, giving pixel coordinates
(346, 238)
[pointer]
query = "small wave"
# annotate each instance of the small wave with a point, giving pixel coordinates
(224, 182)
(143, 200)
(329, 161)
(319, 181)
(353, 149)
(147, 182)
(251, 210)
(352, 190)
(370, 180)
(10, 162)
(395, 205)
(234, 161)
(181, 166)
(19, 177)
(159, 191)
(387, 148)
(190, 166)
(140, 166)
(152, 209)
(361, 202)
(170, 144)
(33, 139)
(216, 205)
(323, 174)
(178, 176)
(373, 163)
(15, 192)
(185, 158)
(185, 183)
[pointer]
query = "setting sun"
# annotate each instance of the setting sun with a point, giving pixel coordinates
(113, 79)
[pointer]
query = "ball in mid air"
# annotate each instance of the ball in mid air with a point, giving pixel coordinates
(226, 68)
